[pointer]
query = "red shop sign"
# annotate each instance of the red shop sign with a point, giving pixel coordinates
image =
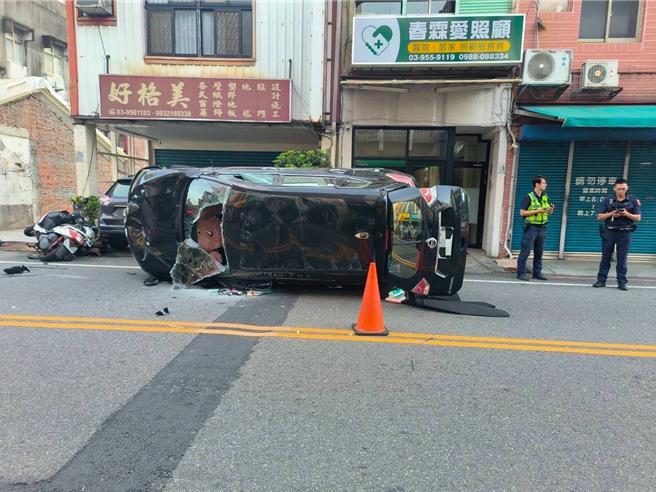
(191, 98)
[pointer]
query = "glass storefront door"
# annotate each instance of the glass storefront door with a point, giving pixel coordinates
(470, 163)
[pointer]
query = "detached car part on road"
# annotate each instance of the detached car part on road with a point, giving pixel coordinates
(321, 226)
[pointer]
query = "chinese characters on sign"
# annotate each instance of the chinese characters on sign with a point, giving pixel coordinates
(591, 190)
(438, 40)
(217, 99)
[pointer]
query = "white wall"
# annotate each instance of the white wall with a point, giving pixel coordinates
(17, 179)
(494, 200)
(464, 105)
(284, 30)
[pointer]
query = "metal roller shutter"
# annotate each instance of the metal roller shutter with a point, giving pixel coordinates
(218, 158)
(642, 180)
(547, 159)
(596, 166)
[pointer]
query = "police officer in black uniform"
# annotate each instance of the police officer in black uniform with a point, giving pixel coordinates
(620, 214)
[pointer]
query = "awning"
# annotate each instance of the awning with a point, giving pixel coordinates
(608, 116)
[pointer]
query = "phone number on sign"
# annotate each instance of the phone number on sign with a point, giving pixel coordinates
(459, 57)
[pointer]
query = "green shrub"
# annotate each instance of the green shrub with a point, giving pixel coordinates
(302, 158)
(89, 206)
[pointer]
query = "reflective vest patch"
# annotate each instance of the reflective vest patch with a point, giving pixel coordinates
(537, 203)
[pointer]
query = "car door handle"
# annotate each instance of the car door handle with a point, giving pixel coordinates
(362, 235)
(431, 242)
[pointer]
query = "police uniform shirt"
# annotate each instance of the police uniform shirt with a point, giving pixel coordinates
(609, 204)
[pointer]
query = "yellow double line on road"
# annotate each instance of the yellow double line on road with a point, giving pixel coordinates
(290, 332)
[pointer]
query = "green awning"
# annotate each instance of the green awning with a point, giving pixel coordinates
(607, 116)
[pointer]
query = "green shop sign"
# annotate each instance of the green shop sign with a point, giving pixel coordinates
(438, 40)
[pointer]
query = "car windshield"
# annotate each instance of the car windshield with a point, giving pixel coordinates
(407, 235)
(119, 190)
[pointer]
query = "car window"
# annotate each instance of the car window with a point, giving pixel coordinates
(323, 181)
(119, 190)
(407, 233)
(265, 179)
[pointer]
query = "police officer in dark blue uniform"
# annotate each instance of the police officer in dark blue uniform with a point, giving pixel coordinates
(620, 214)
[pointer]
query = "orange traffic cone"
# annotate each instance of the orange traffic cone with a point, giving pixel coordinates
(370, 320)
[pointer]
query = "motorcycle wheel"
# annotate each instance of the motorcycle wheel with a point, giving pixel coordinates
(60, 253)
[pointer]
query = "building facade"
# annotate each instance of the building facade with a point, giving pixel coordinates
(207, 83)
(591, 127)
(34, 42)
(34, 129)
(426, 88)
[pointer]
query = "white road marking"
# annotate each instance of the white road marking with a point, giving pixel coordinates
(66, 265)
(547, 284)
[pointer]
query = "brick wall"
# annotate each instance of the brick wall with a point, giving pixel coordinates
(51, 134)
(105, 173)
(637, 60)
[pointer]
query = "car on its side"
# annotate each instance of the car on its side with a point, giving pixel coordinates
(322, 226)
(112, 213)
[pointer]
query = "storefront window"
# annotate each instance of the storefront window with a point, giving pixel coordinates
(380, 143)
(427, 143)
(420, 152)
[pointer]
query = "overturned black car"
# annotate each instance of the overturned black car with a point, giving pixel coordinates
(283, 225)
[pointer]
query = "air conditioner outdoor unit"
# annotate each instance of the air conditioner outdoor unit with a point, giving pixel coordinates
(95, 8)
(600, 74)
(547, 67)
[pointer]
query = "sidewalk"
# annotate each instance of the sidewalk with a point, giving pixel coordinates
(15, 236)
(477, 262)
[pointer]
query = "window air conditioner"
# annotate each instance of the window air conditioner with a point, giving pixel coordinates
(547, 67)
(600, 74)
(95, 8)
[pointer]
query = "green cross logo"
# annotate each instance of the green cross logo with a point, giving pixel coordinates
(377, 39)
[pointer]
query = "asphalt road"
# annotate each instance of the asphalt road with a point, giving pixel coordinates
(132, 409)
